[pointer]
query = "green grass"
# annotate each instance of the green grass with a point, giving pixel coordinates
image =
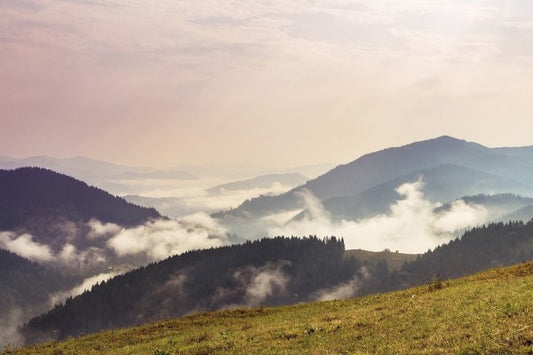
(394, 260)
(487, 313)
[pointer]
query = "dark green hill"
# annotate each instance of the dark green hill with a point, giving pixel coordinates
(24, 283)
(36, 194)
(270, 272)
(497, 244)
(25, 287)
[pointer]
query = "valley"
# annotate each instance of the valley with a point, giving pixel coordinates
(113, 264)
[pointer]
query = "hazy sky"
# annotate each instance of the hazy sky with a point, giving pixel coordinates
(283, 82)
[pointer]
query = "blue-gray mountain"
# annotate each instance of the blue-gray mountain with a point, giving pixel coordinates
(450, 168)
(108, 176)
(261, 182)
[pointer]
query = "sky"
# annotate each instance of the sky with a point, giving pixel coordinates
(281, 82)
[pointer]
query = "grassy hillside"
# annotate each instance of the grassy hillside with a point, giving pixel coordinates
(394, 260)
(487, 313)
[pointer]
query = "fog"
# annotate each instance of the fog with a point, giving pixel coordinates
(412, 224)
(85, 285)
(9, 323)
(25, 246)
(177, 198)
(100, 243)
(258, 283)
(263, 282)
(158, 239)
(342, 291)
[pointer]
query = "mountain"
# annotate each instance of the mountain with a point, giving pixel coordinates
(380, 167)
(497, 244)
(219, 197)
(251, 170)
(158, 175)
(445, 182)
(168, 206)
(261, 182)
(522, 214)
(109, 176)
(79, 167)
(486, 313)
(29, 196)
(54, 233)
(270, 272)
(450, 168)
(53, 218)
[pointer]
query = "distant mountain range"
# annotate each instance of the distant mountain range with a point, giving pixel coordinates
(237, 191)
(108, 176)
(263, 181)
(450, 169)
(78, 167)
(248, 171)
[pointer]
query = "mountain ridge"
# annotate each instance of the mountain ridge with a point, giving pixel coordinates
(43, 193)
(511, 166)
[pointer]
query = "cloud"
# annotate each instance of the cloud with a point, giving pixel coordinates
(85, 285)
(158, 239)
(10, 338)
(91, 256)
(281, 218)
(263, 282)
(180, 198)
(24, 246)
(94, 243)
(412, 224)
(343, 290)
(110, 61)
(99, 229)
(254, 284)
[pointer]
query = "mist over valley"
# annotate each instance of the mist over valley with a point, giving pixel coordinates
(55, 227)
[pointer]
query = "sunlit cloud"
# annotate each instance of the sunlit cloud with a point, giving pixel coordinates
(25, 246)
(412, 225)
(159, 239)
(85, 285)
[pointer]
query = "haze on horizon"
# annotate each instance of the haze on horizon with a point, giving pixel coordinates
(279, 82)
